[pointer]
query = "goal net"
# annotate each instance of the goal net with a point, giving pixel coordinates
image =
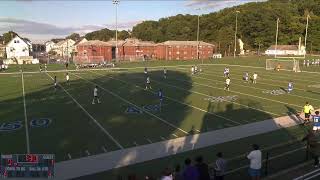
(282, 64)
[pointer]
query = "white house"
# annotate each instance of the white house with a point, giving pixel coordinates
(64, 48)
(283, 50)
(49, 46)
(18, 49)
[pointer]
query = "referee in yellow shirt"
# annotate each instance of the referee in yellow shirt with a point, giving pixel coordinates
(307, 108)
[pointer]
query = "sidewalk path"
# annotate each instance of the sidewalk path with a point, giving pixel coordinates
(115, 159)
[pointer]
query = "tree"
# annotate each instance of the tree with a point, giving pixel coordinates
(256, 23)
(8, 36)
(74, 36)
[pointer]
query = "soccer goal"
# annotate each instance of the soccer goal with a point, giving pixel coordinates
(283, 64)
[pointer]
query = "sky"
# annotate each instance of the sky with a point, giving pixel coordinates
(41, 20)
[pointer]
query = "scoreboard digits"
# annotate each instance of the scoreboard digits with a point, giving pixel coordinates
(27, 165)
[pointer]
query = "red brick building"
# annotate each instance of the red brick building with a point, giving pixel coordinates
(134, 49)
(183, 50)
(93, 52)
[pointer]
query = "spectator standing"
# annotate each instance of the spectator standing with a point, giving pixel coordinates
(220, 167)
(167, 175)
(177, 173)
(312, 146)
(255, 157)
(203, 169)
(190, 172)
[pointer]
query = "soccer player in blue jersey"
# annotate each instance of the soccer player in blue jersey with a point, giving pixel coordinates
(160, 95)
(316, 121)
(226, 72)
(290, 87)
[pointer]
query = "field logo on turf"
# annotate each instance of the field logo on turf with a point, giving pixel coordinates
(222, 98)
(314, 86)
(152, 108)
(13, 126)
(133, 110)
(41, 122)
(35, 123)
(275, 92)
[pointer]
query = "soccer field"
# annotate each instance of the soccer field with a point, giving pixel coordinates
(37, 118)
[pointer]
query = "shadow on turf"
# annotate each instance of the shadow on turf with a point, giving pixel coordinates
(174, 113)
(208, 121)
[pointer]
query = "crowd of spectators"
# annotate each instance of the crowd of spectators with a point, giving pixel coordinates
(198, 169)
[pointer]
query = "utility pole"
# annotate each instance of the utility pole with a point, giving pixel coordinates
(275, 53)
(198, 29)
(235, 35)
(305, 37)
(116, 3)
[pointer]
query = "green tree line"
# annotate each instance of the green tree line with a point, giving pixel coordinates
(256, 25)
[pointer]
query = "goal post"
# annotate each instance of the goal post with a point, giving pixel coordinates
(283, 64)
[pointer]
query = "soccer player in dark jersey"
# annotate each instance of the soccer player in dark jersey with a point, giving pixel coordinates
(160, 95)
(55, 82)
(316, 121)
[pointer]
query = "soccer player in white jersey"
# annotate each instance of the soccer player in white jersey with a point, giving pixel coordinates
(67, 78)
(255, 77)
(192, 70)
(148, 84)
(165, 73)
(246, 77)
(95, 95)
(227, 87)
(290, 87)
(226, 72)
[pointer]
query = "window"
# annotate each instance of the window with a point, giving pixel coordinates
(177, 52)
(177, 46)
(185, 52)
(169, 52)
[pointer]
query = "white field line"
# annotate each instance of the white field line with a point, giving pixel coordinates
(69, 156)
(88, 153)
(132, 104)
(174, 135)
(263, 79)
(90, 116)
(240, 93)
(104, 149)
(149, 140)
(206, 95)
(219, 82)
(280, 76)
(305, 175)
(25, 115)
(174, 100)
(259, 81)
(311, 177)
(163, 138)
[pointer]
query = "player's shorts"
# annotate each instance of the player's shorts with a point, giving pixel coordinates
(316, 128)
(306, 115)
(254, 172)
(96, 96)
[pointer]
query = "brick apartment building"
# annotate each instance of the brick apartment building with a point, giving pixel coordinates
(134, 49)
(93, 52)
(183, 50)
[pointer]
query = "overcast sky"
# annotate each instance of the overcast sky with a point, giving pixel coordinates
(41, 20)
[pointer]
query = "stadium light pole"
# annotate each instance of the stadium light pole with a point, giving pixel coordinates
(305, 37)
(235, 35)
(275, 53)
(116, 3)
(198, 31)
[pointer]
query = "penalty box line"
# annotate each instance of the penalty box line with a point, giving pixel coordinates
(174, 100)
(206, 95)
(25, 114)
(128, 102)
(220, 82)
(90, 116)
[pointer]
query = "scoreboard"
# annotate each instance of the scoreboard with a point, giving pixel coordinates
(27, 165)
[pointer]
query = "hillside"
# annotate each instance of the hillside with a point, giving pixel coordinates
(256, 24)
